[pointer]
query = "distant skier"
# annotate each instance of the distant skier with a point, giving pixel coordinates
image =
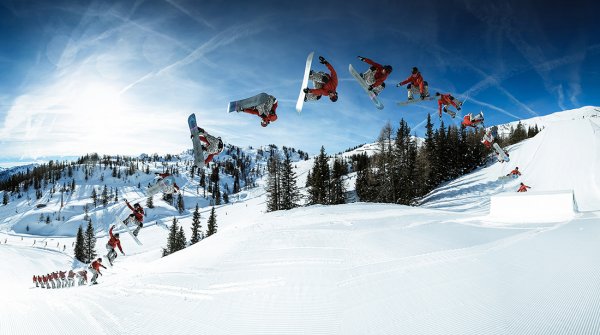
(473, 121)
(113, 243)
(325, 84)
(267, 111)
(376, 75)
(514, 173)
(95, 269)
(137, 217)
(210, 144)
(446, 100)
(82, 275)
(523, 188)
(416, 84)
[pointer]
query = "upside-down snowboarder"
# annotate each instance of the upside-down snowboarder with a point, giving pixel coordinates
(473, 121)
(447, 100)
(210, 144)
(325, 84)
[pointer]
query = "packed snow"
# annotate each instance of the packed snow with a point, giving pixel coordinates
(447, 267)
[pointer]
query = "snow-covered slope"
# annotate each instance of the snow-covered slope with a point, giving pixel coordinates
(564, 156)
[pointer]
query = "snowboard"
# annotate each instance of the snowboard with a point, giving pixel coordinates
(300, 101)
(164, 185)
(130, 232)
(365, 87)
(509, 177)
(408, 102)
(198, 153)
(239, 105)
(502, 156)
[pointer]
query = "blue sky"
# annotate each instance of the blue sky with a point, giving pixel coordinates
(120, 77)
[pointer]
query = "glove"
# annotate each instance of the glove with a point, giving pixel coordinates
(362, 59)
(370, 87)
(398, 85)
(305, 90)
(322, 60)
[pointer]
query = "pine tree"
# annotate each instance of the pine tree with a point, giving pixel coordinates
(196, 227)
(89, 243)
(273, 184)
(104, 196)
(181, 242)
(171, 239)
(72, 185)
(80, 246)
(318, 190)
(5, 198)
(212, 223)
(116, 195)
(150, 202)
(180, 204)
(289, 193)
(95, 197)
(338, 190)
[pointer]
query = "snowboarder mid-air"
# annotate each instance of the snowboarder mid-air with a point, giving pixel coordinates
(266, 111)
(523, 188)
(488, 139)
(137, 216)
(210, 144)
(95, 269)
(325, 84)
(375, 75)
(168, 181)
(113, 243)
(446, 100)
(416, 84)
(473, 121)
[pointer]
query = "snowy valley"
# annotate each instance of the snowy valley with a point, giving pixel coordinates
(462, 262)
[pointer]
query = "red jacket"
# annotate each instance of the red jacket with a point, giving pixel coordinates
(417, 80)
(269, 118)
(467, 122)
(83, 274)
(380, 77)
(45, 279)
(445, 99)
(71, 274)
(55, 275)
(208, 158)
(523, 188)
(330, 86)
(139, 214)
(35, 279)
(515, 172)
(96, 265)
(114, 241)
(62, 274)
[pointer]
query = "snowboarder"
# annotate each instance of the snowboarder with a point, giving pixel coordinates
(45, 279)
(375, 75)
(113, 243)
(210, 144)
(488, 139)
(514, 173)
(325, 84)
(416, 84)
(35, 281)
(40, 280)
(167, 180)
(71, 278)
(82, 277)
(95, 269)
(446, 100)
(266, 111)
(136, 217)
(55, 279)
(523, 188)
(473, 121)
(63, 278)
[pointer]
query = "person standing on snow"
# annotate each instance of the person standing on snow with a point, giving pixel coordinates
(63, 278)
(325, 84)
(55, 278)
(95, 268)
(82, 277)
(210, 144)
(514, 173)
(266, 111)
(71, 278)
(137, 216)
(416, 84)
(35, 281)
(523, 188)
(375, 75)
(113, 243)
(446, 100)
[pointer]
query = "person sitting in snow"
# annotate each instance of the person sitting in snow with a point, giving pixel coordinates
(113, 243)
(523, 188)
(514, 173)
(266, 111)
(136, 217)
(473, 121)
(325, 84)
(416, 84)
(210, 144)
(446, 100)
(376, 75)
(95, 269)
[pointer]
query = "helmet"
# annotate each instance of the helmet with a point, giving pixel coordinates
(517, 168)
(100, 259)
(415, 70)
(264, 123)
(438, 93)
(388, 68)
(116, 235)
(333, 96)
(220, 144)
(137, 204)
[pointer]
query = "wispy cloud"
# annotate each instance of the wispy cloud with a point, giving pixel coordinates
(195, 17)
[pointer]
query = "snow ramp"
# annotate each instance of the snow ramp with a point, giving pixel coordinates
(533, 207)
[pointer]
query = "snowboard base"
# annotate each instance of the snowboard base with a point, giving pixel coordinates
(365, 87)
(300, 101)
